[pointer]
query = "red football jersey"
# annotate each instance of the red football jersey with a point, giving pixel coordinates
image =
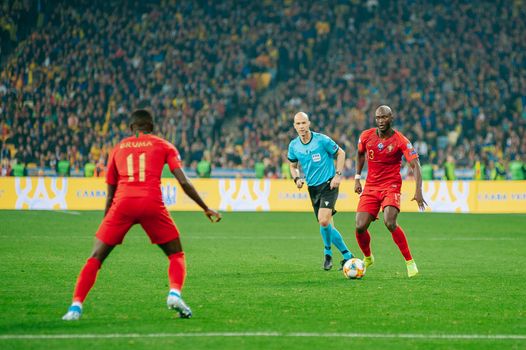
(384, 158)
(136, 163)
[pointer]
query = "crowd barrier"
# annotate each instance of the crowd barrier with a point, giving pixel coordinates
(56, 193)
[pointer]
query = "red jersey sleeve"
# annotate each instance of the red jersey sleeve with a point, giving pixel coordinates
(173, 159)
(407, 148)
(112, 175)
(361, 142)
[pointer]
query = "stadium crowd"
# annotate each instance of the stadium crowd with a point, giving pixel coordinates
(225, 78)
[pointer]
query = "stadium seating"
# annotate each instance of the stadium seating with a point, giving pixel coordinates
(226, 78)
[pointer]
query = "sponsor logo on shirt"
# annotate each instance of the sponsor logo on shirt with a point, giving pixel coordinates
(316, 157)
(380, 146)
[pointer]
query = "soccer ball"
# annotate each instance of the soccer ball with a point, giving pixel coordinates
(354, 269)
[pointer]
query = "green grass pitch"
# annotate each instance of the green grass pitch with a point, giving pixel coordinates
(255, 282)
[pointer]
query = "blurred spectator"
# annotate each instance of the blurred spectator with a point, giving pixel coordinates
(89, 169)
(204, 167)
(259, 169)
(19, 169)
(63, 167)
(517, 169)
(479, 169)
(496, 170)
(449, 168)
(427, 172)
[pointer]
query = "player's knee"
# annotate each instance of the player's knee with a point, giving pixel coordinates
(390, 224)
(361, 227)
(324, 221)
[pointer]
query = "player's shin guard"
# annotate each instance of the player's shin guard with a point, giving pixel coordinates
(177, 271)
(401, 241)
(337, 240)
(364, 241)
(326, 237)
(86, 279)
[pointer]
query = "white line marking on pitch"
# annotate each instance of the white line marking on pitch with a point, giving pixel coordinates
(475, 239)
(70, 212)
(314, 237)
(266, 334)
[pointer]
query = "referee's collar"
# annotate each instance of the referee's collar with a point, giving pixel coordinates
(311, 137)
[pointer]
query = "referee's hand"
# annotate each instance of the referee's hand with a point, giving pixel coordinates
(335, 182)
(299, 183)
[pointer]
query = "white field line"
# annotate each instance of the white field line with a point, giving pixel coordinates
(268, 334)
(70, 212)
(314, 237)
(474, 238)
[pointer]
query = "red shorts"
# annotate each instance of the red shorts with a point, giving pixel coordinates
(371, 200)
(128, 211)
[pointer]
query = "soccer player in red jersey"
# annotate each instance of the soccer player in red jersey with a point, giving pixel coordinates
(134, 197)
(384, 147)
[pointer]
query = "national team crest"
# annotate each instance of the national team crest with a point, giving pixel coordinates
(380, 146)
(389, 148)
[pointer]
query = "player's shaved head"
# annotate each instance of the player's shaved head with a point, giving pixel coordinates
(384, 118)
(384, 110)
(301, 116)
(141, 120)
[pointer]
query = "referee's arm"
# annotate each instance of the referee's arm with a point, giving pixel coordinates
(340, 160)
(295, 173)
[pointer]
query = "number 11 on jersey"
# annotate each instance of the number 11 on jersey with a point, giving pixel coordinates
(142, 167)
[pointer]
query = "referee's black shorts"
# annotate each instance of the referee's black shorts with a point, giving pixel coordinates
(322, 196)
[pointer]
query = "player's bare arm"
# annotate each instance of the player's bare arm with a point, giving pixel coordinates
(360, 161)
(418, 197)
(109, 197)
(340, 162)
(190, 190)
(295, 172)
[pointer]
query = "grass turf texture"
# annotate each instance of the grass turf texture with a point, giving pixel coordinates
(261, 272)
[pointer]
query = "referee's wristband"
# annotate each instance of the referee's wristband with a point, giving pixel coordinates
(357, 177)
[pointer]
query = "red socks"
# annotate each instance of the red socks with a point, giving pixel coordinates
(88, 275)
(400, 240)
(86, 279)
(364, 240)
(177, 271)
(398, 234)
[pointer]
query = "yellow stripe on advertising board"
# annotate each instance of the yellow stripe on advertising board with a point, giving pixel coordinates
(261, 195)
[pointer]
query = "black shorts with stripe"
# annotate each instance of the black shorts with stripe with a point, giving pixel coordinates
(322, 196)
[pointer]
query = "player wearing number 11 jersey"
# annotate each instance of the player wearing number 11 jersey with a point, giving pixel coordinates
(134, 197)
